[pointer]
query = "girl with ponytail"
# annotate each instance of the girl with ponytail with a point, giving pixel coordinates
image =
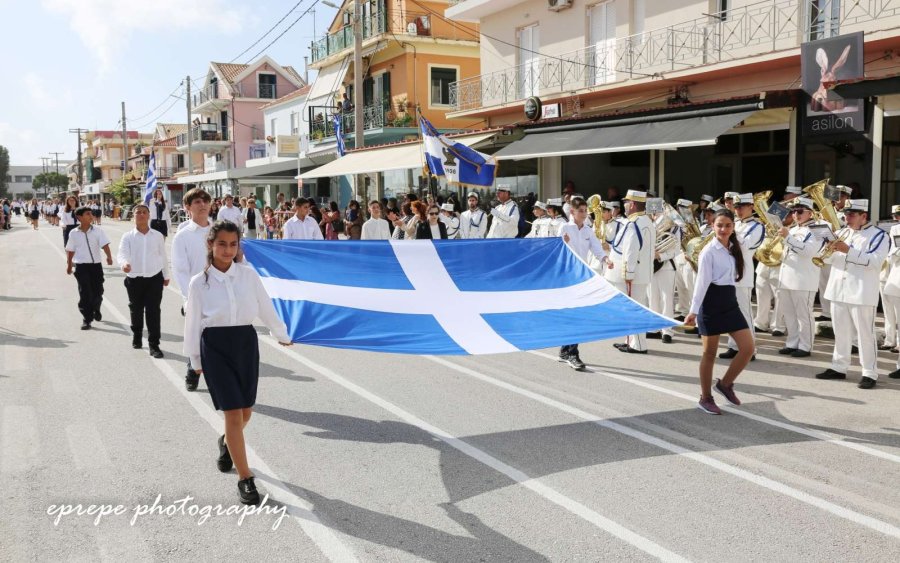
(223, 301)
(715, 310)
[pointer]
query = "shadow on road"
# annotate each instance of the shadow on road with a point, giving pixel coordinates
(13, 338)
(13, 299)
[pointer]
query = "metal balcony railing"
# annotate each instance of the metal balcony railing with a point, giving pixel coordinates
(202, 132)
(267, 91)
(342, 39)
(211, 92)
(321, 120)
(759, 28)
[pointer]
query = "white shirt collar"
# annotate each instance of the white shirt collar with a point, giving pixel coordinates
(231, 272)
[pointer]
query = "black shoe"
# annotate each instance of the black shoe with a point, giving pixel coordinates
(191, 380)
(823, 318)
(787, 351)
(136, 345)
(224, 462)
(777, 333)
(800, 354)
(98, 316)
(854, 349)
(575, 362)
(757, 329)
(562, 358)
(728, 354)
(667, 338)
(155, 352)
(894, 374)
(895, 349)
(85, 325)
(831, 374)
(620, 346)
(248, 492)
(885, 347)
(866, 383)
(653, 335)
(629, 350)
(753, 358)
(680, 318)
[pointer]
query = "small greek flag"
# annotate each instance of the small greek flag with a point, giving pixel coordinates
(151, 180)
(461, 165)
(339, 134)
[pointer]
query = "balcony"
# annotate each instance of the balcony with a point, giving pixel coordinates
(203, 137)
(342, 39)
(266, 91)
(321, 121)
(756, 29)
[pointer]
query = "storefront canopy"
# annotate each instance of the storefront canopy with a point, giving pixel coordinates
(622, 135)
(327, 83)
(399, 157)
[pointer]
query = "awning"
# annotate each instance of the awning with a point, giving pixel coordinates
(610, 137)
(327, 83)
(398, 157)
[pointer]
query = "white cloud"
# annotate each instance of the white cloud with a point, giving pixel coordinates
(21, 143)
(43, 95)
(102, 25)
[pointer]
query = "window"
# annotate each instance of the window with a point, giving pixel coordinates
(267, 86)
(273, 126)
(720, 9)
(23, 179)
(441, 78)
(295, 123)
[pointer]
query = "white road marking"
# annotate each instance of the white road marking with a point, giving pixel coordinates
(86, 446)
(302, 511)
(817, 434)
(19, 439)
(771, 484)
(573, 506)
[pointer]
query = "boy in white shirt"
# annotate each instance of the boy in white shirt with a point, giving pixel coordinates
(83, 255)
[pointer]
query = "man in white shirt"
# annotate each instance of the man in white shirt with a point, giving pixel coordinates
(302, 226)
(582, 240)
(662, 282)
(231, 213)
(142, 256)
(853, 292)
(473, 221)
(83, 254)
(505, 222)
(375, 228)
(189, 255)
(636, 245)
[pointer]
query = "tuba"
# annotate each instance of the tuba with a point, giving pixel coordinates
(771, 251)
(693, 248)
(816, 192)
(665, 240)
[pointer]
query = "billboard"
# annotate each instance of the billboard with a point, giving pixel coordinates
(823, 63)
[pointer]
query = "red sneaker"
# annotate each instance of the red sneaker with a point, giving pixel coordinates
(708, 405)
(727, 392)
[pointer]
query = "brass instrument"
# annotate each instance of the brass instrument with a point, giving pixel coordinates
(595, 206)
(693, 248)
(691, 230)
(816, 192)
(665, 239)
(771, 251)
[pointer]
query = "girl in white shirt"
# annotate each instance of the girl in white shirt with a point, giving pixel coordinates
(715, 310)
(67, 215)
(223, 301)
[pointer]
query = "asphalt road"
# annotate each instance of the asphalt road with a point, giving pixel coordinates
(376, 457)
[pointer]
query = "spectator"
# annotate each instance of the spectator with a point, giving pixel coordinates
(354, 221)
(302, 226)
(375, 228)
(251, 219)
(331, 221)
(400, 221)
(432, 227)
(269, 219)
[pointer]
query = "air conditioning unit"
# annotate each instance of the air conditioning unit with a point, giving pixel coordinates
(557, 5)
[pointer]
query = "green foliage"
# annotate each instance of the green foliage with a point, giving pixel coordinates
(121, 192)
(54, 181)
(4, 169)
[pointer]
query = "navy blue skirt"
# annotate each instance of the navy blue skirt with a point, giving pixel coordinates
(720, 312)
(230, 357)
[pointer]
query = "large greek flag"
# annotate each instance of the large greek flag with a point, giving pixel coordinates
(151, 180)
(443, 296)
(455, 161)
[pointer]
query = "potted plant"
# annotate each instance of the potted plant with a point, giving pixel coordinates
(402, 104)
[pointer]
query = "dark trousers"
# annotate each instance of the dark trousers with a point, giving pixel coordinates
(66, 230)
(568, 350)
(144, 297)
(90, 289)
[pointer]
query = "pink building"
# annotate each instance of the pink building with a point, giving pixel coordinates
(227, 125)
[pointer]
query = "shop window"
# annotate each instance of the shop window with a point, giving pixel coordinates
(757, 142)
(630, 159)
(728, 144)
(781, 140)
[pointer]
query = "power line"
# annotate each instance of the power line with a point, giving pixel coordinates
(288, 28)
(271, 29)
(143, 115)
(158, 116)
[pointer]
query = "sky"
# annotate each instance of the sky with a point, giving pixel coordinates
(71, 63)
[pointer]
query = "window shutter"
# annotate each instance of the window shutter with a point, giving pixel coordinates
(386, 91)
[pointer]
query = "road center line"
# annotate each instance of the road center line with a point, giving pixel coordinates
(771, 484)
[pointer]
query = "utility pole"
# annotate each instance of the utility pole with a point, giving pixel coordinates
(124, 148)
(56, 154)
(190, 164)
(358, 114)
(78, 132)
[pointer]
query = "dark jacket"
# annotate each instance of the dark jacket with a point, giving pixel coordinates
(423, 230)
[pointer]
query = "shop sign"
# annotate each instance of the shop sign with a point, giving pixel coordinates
(822, 63)
(533, 108)
(287, 145)
(550, 111)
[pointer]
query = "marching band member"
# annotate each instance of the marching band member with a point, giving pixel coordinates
(505, 222)
(728, 200)
(539, 227)
(473, 221)
(636, 244)
(890, 287)
(750, 233)
(853, 292)
(825, 274)
(684, 273)
(580, 237)
(613, 222)
(556, 218)
(767, 286)
(662, 282)
(798, 279)
(450, 220)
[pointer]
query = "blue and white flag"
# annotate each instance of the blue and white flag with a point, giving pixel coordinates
(151, 180)
(443, 297)
(339, 134)
(455, 161)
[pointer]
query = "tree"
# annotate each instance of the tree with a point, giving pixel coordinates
(53, 181)
(120, 192)
(4, 169)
